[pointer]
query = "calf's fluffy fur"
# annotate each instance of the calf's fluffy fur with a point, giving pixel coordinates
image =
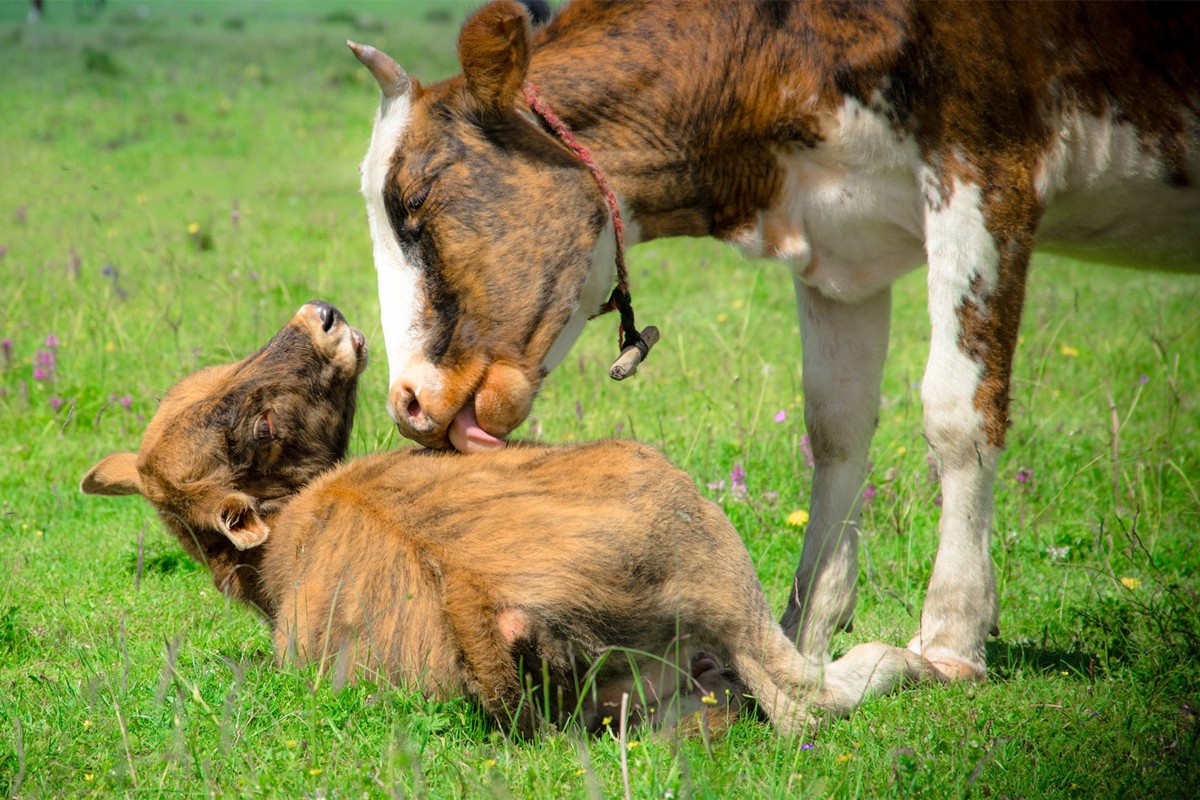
(571, 574)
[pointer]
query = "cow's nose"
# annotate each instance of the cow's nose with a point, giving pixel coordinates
(406, 409)
(327, 313)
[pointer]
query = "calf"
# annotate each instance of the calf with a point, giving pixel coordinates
(599, 567)
(851, 141)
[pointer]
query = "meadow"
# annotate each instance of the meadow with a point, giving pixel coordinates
(177, 178)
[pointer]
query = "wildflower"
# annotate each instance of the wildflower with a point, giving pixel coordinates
(56, 403)
(40, 374)
(1144, 379)
(315, 771)
(1058, 553)
(1068, 351)
(770, 498)
(491, 762)
(52, 341)
(843, 758)
(868, 494)
(1130, 583)
(606, 721)
(715, 486)
(6, 345)
(738, 303)
(781, 415)
(901, 450)
(737, 481)
(87, 723)
(806, 450)
(193, 228)
(709, 699)
(1024, 475)
(807, 746)
(89, 777)
(722, 317)
(798, 518)
(290, 743)
(126, 401)
(632, 745)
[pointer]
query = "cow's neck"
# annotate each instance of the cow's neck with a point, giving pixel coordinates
(688, 132)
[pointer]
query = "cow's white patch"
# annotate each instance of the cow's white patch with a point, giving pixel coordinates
(849, 218)
(596, 290)
(1107, 198)
(960, 606)
(400, 302)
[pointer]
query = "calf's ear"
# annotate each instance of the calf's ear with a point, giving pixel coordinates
(114, 476)
(493, 49)
(240, 522)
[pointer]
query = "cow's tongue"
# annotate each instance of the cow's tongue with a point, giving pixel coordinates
(467, 436)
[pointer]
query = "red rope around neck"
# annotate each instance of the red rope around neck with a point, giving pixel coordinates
(620, 298)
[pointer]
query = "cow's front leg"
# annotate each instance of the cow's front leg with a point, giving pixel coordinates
(844, 346)
(978, 252)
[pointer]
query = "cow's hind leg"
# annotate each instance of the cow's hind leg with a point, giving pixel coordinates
(978, 251)
(844, 348)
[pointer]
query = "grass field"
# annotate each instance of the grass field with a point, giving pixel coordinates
(177, 178)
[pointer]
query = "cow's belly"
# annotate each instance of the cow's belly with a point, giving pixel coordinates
(846, 223)
(1109, 199)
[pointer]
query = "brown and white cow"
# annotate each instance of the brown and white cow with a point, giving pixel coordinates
(600, 566)
(852, 141)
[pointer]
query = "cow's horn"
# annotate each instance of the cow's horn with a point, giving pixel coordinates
(391, 78)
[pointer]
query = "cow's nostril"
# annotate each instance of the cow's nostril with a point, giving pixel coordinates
(328, 314)
(414, 408)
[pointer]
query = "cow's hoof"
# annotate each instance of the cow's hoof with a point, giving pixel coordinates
(954, 670)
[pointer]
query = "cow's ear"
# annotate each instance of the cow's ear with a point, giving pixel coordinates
(114, 476)
(493, 49)
(240, 522)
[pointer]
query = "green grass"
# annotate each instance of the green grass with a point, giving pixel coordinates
(121, 130)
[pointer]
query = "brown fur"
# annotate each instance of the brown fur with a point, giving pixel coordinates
(466, 574)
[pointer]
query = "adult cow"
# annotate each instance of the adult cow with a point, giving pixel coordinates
(853, 142)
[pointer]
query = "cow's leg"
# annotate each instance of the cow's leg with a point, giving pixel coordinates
(844, 346)
(978, 252)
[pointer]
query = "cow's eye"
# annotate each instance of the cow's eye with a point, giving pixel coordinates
(264, 428)
(417, 198)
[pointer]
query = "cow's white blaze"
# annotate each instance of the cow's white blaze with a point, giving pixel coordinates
(960, 606)
(400, 300)
(1107, 200)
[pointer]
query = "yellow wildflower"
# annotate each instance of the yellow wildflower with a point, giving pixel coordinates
(843, 758)
(315, 771)
(1130, 583)
(798, 518)
(738, 304)
(709, 699)
(1068, 351)
(193, 228)
(722, 317)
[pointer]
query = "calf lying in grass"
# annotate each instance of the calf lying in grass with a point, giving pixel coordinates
(559, 578)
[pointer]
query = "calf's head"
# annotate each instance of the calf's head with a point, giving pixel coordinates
(230, 443)
(485, 230)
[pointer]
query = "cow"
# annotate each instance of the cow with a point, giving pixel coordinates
(853, 142)
(598, 566)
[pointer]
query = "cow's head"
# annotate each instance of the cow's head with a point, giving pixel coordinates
(485, 231)
(231, 442)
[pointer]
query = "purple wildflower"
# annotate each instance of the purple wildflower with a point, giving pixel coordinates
(56, 403)
(40, 374)
(737, 481)
(868, 494)
(1144, 379)
(807, 746)
(806, 450)
(126, 401)
(6, 345)
(109, 271)
(1024, 475)
(52, 341)
(781, 416)
(715, 486)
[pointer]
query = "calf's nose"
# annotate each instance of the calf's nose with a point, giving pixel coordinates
(327, 313)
